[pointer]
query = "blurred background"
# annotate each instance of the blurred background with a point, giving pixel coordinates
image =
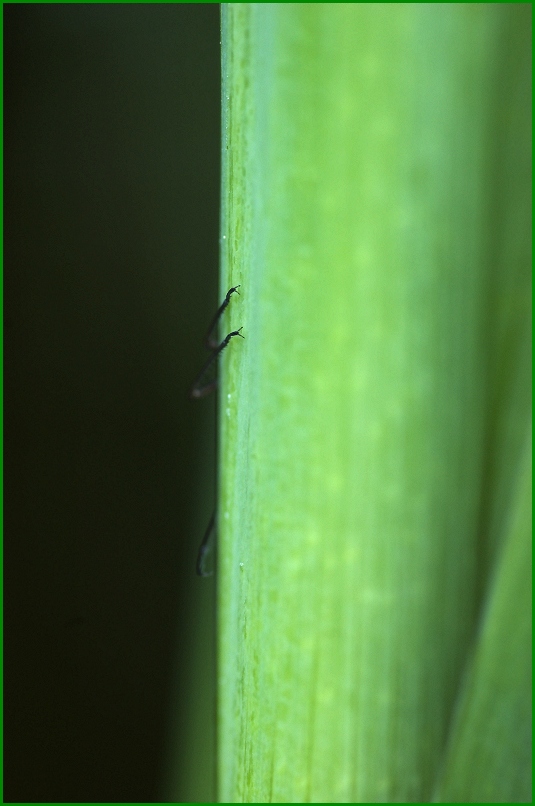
(111, 194)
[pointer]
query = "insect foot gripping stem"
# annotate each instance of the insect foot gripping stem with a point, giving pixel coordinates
(209, 341)
(199, 390)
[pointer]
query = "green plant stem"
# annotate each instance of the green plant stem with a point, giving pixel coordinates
(358, 178)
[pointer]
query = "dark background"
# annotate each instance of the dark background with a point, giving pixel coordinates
(111, 159)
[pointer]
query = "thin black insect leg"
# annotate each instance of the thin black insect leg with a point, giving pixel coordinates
(204, 548)
(209, 341)
(197, 390)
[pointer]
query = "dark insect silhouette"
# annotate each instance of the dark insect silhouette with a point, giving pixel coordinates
(202, 386)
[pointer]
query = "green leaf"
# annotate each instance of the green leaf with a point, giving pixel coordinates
(375, 212)
(489, 759)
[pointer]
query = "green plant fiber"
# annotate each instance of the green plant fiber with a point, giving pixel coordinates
(374, 581)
